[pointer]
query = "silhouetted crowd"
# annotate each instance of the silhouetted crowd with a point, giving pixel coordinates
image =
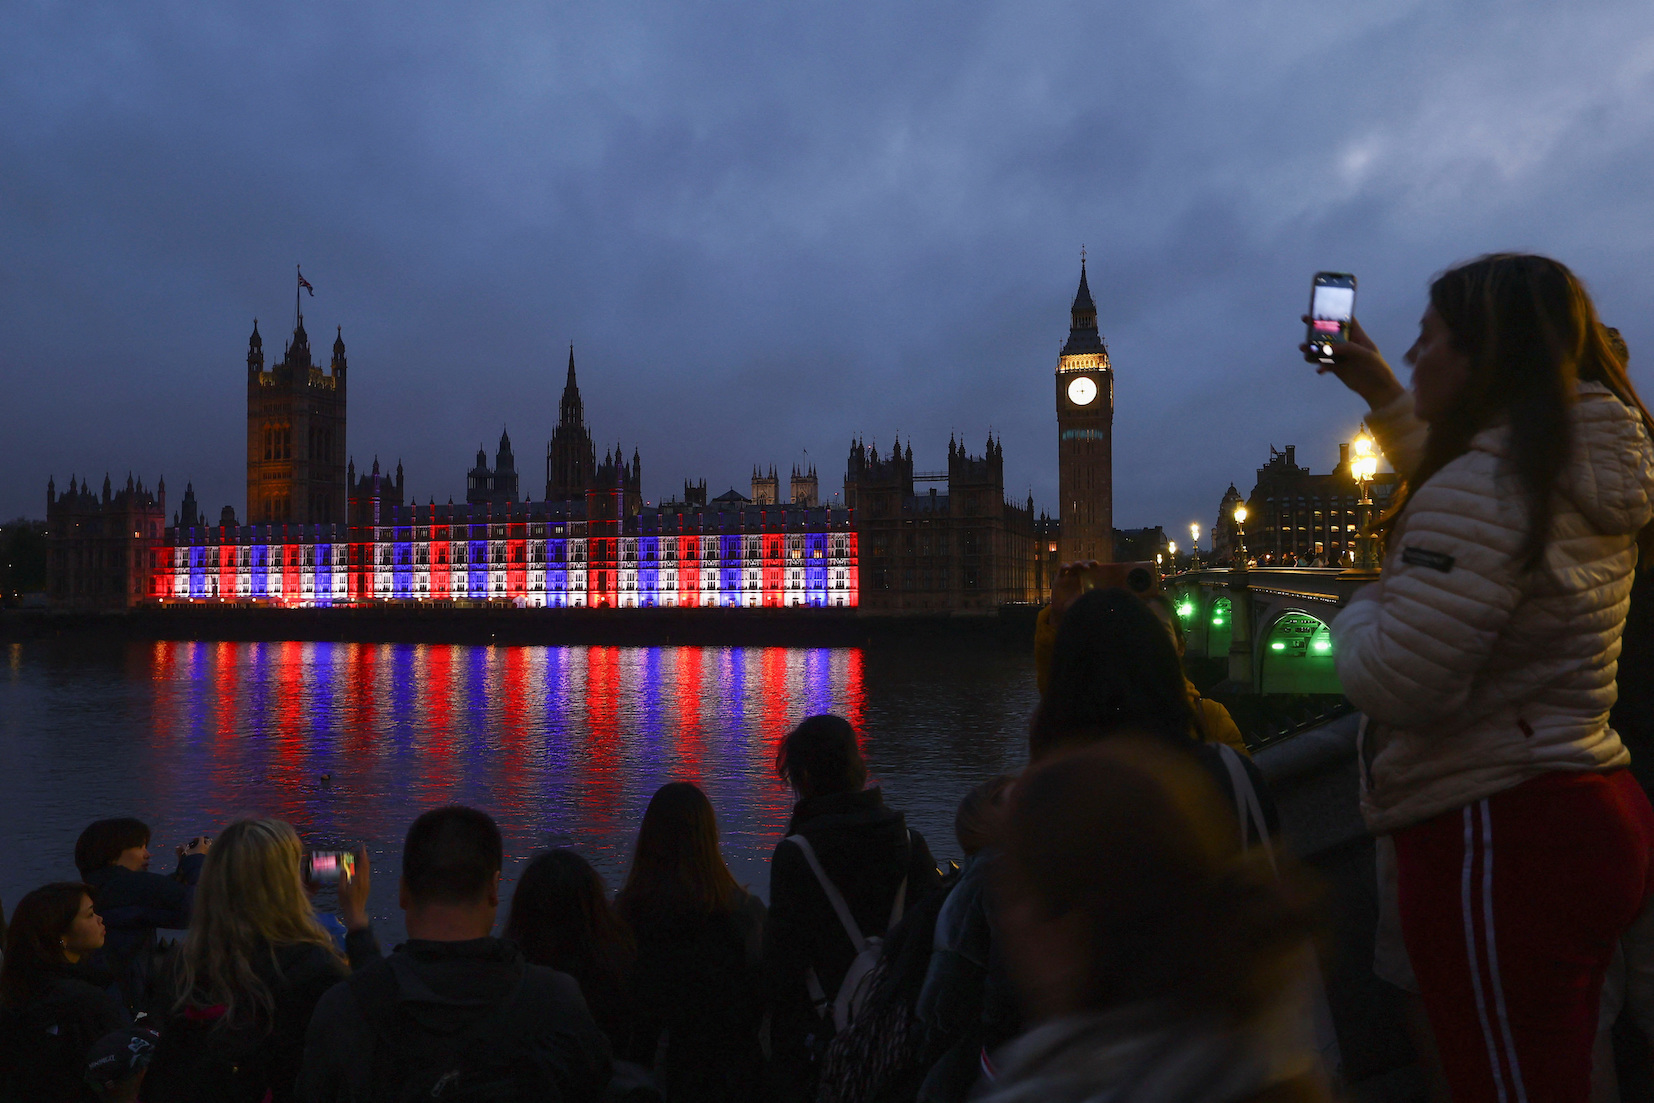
(1124, 926)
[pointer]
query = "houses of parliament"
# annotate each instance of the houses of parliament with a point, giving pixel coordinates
(907, 537)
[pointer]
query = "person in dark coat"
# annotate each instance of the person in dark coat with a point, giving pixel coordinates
(698, 982)
(452, 1002)
(561, 918)
(248, 975)
(54, 1003)
(113, 857)
(867, 851)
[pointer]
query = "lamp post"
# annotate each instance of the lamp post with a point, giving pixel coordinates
(1194, 547)
(1364, 466)
(1240, 608)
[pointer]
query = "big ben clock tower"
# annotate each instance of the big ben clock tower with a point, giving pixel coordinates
(1085, 431)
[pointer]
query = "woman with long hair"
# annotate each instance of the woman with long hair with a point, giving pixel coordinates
(1485, 659)
(53, 1004)
(699, 939)
(561, 918)
(248, 974)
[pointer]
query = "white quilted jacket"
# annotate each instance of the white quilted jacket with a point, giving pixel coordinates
(1474, 674)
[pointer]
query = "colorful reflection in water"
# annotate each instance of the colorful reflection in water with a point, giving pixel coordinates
(564, 746)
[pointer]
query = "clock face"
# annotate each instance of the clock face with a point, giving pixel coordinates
(1082, 391)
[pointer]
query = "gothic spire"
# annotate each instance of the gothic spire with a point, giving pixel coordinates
(1083, 337)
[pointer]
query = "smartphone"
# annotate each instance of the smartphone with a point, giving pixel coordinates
(325, 867)
(1139, 578)
(1331, 310)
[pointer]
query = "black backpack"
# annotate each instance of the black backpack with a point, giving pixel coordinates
(883, 1054)
(490, 1061)
(201, 1058)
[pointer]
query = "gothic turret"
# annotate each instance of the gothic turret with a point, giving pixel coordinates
(255, 350)
(339, 352)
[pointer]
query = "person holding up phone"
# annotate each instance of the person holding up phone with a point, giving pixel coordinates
(1485, 657)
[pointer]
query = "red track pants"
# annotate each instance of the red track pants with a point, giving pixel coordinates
(1510, 908)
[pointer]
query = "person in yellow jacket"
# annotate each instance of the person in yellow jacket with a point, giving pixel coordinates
(1212, 720)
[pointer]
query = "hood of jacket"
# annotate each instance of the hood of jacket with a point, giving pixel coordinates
(1609, 473)
(447, 986)
(860, 812)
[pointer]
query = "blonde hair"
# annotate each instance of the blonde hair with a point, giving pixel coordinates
(249, 901)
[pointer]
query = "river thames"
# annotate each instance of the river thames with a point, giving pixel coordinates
(562, 745)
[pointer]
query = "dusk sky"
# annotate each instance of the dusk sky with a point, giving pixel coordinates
(768, 228)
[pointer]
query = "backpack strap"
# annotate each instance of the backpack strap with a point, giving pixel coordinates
(834, 897)
(1248, 808)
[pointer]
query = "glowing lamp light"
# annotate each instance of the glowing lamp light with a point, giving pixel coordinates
(1240, 513)
(1322, 645)
(1171, 548)
(1277, 646)
(1185, 610)
(1194, 535)
(1365, 464)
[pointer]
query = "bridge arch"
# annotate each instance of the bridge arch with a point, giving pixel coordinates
(1295, 655)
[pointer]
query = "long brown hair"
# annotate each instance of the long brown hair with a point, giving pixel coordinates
(34, 946)
(676, 869)
(1531, 334)
(249, 901)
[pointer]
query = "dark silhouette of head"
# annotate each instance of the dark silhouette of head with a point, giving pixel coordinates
(976, 823)
(561, 917)
(104, 841)
(1122, 881)
(452, 855)
(821, 756)
(676, 868)
(1113, 666)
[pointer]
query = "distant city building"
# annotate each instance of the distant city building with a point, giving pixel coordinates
(1140, 545)
(1292, 515)
(1085, 433)
(295, 434)
(1223, 529)
(966, 550)
(766, 489)
(102, 550)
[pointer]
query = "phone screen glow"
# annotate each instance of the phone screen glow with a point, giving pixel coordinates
(1332, 304)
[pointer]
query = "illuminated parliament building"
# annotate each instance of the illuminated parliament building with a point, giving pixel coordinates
(319, 535)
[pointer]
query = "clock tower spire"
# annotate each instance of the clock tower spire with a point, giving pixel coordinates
(1085, 434)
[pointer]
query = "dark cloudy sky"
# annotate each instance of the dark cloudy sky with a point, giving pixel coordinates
(768, 227)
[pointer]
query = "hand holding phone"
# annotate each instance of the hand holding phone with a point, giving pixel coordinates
(325, 867)
(1331, 313)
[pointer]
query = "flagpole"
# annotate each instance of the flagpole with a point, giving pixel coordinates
(298, 315)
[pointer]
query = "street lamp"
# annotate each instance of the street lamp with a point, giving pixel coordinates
(1240, 534)
(1364, 466)
(1194, 547)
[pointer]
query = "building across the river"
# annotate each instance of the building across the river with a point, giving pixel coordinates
(319, 535)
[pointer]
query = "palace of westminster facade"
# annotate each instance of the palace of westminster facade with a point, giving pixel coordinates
(318, 534)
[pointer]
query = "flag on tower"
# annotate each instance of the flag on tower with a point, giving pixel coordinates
(304, 283)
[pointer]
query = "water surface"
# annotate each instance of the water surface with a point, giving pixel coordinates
(562, 745)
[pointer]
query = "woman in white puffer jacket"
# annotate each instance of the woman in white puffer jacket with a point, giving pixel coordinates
(1485, 656)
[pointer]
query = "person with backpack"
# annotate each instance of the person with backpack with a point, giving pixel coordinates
(54, 1000)
(113, 857)
(698, 983)
(248, 975)
(453, 1009)
(842, 876)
